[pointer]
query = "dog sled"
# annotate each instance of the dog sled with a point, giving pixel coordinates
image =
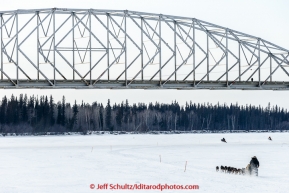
(270, 138)
(224, 140)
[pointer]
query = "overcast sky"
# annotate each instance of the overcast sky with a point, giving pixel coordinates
(262, 18)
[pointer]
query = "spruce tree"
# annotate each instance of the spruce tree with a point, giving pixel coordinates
(51, 111)
(63, 118)
(59, 116)
(108, 118)
(75, 113)
(101, 117)
(3, 110)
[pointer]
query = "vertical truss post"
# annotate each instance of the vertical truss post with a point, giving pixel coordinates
(17, 54)
(1, 47)
(259, 67)
(125, 47)
(107, 44)
(160, 47)
(73, 58)
(90, 47)
(142, 48)
(270, 68)
(239, 61)
(227, 56)
(37, 15)
(208, 58)
(54, 49)
(194, 54)
(175, 49)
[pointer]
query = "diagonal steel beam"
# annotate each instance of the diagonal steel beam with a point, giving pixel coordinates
(4, 24)
(211, 69)
(95, 64)
(90, 32)
(143, 68)
(71, 66)
(13, 22)
(192, 39)
(244, 72)
(274, 57)
(15, 63)
(162, 66)
(54, 32)
(257, 69)
(227, 71)
(108, 30)
(158, 35)
(216, 41)
(51, 64)
(35, 67)
(76, 24)
(19, 31)
(120, 28)
(181, 38)
(8, 77)
(108, 68)
(32, 30)
(279, 64)
(143, 31)
(195, 68)
(185, 61)
(128, 66)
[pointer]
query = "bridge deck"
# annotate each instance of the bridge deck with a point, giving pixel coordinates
(121, 84)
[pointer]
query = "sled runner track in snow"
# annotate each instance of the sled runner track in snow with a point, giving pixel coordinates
(122, 49)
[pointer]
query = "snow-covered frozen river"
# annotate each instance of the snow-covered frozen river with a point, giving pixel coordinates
(72, 163)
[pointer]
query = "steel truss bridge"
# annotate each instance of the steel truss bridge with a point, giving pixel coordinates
(121, 49)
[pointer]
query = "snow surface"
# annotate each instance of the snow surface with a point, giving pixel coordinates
(71, 163)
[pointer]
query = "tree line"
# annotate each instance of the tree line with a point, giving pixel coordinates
(35, 114)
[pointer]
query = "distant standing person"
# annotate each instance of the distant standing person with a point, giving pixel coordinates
(254, 165)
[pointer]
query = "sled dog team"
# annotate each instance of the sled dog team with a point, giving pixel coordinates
(251, 169)
(230, 170)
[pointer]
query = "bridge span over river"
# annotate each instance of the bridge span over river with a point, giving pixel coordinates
(122, 49)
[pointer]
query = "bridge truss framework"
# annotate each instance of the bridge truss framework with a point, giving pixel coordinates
(121, 49)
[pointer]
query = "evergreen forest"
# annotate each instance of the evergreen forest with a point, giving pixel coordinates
(36, 114)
